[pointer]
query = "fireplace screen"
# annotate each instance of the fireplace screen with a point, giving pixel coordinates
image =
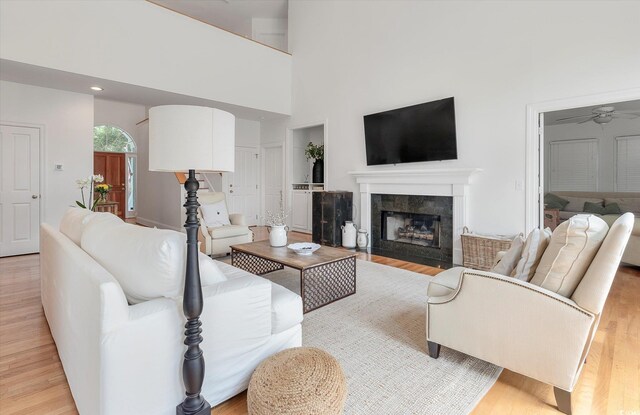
(411, 228)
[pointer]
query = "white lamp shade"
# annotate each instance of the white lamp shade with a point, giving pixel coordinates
(187, 137)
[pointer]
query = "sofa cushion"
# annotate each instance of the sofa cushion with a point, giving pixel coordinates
(228, 231)
(532, 251)
(610, 219)
(573, 246)
(445, 282)
(510, 259)
(73, 222)
(610, 209)
(576, 204)
(626, 204)
(215, 214)
(286, 309)
(148, 263)
(210, 273)
(553, 201)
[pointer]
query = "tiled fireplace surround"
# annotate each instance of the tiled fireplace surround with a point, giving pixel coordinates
(452, 183)
(439, 206)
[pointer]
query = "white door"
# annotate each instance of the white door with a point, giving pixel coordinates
(19, 190)
(273, 178)
(241, 186)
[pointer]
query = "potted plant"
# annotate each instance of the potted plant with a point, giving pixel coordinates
(89, 183)
(316, 152)
(104, 190)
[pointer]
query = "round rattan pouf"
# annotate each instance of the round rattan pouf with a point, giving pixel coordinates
(298, 381)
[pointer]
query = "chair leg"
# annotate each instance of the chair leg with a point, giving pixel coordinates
(434, 349)
(563, 400)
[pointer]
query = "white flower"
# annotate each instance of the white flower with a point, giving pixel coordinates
(97, 178)
(82, 183)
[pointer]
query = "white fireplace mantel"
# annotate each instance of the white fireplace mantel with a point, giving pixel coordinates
(453, 182)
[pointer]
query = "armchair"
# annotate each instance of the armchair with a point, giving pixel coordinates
(521, 326)
(218, 240)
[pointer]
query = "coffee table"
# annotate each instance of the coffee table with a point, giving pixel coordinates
(327, 275)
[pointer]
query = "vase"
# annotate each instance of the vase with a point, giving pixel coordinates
(278, 235)
(103, 197)
(363, 239)
(349, 235)
(318, 171)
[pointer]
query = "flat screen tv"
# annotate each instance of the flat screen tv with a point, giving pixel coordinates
(423, 132)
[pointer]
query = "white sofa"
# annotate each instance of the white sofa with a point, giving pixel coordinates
(124, 359)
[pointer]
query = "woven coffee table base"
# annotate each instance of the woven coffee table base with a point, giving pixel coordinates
(298, 381)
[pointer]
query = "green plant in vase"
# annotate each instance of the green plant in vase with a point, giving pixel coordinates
(316, 152)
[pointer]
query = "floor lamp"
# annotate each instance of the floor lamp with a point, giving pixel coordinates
(189, 138)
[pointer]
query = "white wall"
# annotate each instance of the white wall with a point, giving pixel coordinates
(605, 134)
(139, 43)
(66, 119)
(159, 193)
(352, 58)
(271, 31)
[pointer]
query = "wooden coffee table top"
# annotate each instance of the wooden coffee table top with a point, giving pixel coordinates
(287, 257)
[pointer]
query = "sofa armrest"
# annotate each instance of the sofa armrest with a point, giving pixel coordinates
(513, 324)
(237, 219)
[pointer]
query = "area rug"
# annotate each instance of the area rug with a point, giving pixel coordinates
(378, 336)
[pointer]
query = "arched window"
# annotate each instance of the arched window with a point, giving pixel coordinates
(112, 139)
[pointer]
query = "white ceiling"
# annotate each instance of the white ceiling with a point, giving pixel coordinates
(550, 118)
(116, 91)
(232, 15)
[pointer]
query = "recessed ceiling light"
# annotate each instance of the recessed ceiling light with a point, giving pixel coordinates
(97, 88)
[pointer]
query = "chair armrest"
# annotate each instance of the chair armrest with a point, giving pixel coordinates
(237, 219)
(513, 324)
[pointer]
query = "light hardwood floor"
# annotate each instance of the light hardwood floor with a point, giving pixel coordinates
(32, 380)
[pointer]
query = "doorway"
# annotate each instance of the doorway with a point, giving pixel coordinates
(242, 186)
(19, 190)
(537, 154)
(115, 159)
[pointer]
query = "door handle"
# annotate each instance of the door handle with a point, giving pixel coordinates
(34, 196)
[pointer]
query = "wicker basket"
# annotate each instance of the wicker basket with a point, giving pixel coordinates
(479, 251)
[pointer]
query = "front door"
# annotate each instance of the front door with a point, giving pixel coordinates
(112, 167)
(241, 186)
(19, 190)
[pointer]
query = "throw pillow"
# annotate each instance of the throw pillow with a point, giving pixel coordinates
(573, 246)
(209, 272)
(576, 204)
(610, 209)
(215, 214)
(510, 258)
(552, 201)
(626, 204)
(534, 247)
(73, 221)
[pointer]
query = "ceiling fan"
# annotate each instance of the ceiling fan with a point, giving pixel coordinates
(603, 115)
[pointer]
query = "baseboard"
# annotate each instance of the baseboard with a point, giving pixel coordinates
(155, 224)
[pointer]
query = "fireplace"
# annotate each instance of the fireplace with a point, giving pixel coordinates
(413, 228)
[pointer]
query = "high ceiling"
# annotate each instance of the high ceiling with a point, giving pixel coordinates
(550, 118)
(232, 15)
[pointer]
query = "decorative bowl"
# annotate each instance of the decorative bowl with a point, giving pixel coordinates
(304, 248)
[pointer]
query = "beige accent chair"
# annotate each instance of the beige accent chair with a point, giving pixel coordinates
(521, 326)
(217, 241)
